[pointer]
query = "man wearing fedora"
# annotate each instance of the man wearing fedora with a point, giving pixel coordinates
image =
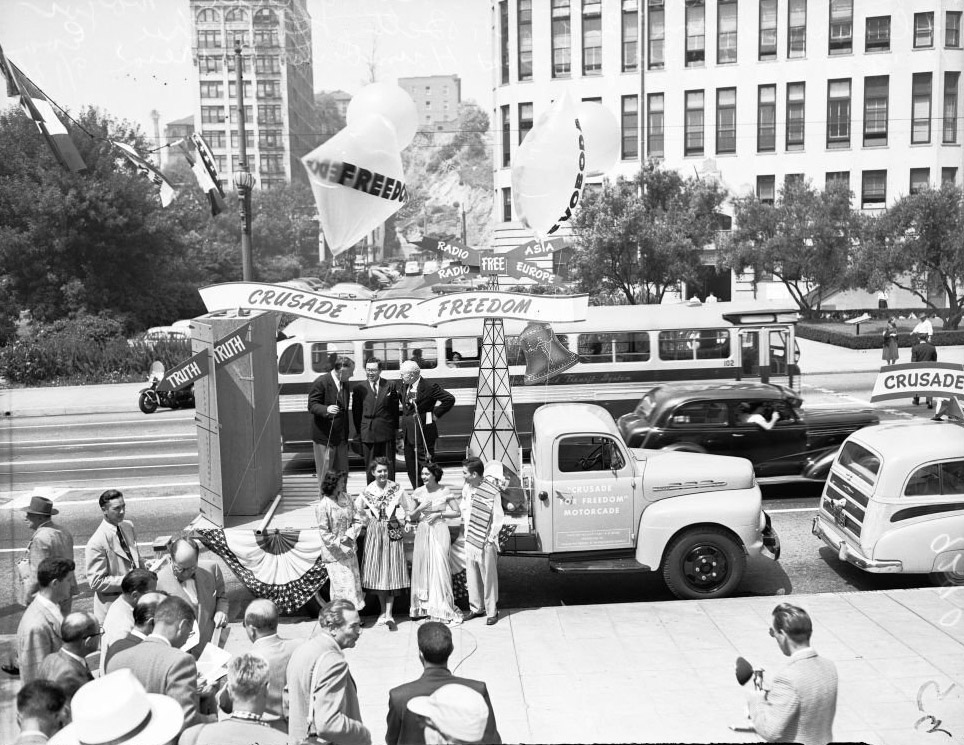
(111, 552)
(49, 541)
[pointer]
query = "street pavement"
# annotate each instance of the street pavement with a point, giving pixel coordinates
(657, 671)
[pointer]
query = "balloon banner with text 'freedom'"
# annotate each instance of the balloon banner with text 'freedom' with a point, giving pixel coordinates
(396, 310)
(226, 350)
(934, 379)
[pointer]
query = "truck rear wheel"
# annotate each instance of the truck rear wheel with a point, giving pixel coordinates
(947, 579)
(705, 563)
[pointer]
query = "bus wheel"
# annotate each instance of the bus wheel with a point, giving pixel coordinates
(704, 563)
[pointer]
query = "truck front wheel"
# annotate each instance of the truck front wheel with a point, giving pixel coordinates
(702, 564)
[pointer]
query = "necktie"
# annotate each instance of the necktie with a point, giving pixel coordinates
(124, 546)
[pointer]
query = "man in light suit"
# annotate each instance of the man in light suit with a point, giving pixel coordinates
(423, 404)
(322, 698)
(328, 403)
(67, 667)
(120, 616)
(49, 540)
(144, 611)
(801, 703)
(202, 587)
(111, 552)
(160, 665)
(39, 631)
(41, 712)
(374, 408)
(434, 648)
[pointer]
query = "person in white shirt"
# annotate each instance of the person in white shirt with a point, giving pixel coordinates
(481, 540)
(120, 616)
(144, 612)
(925, 326)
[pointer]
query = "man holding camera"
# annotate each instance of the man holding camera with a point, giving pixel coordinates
(329, 403)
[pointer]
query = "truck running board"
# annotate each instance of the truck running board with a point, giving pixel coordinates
(598, 565)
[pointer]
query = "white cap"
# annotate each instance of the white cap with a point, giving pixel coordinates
(456, 711)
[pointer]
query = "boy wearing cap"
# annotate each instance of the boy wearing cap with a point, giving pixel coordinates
(49, 541)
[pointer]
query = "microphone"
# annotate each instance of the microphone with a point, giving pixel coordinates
(744, 671)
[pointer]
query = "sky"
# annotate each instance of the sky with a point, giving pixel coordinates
(131, 56)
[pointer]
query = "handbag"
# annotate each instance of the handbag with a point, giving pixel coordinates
(394, 529)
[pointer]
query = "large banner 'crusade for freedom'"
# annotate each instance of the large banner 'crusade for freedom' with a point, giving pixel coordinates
(936, 379)
(396, 310)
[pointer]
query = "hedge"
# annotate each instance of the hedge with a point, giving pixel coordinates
(872, 340)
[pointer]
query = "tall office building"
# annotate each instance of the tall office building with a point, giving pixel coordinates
(276, 63)
(751, 92)
(437, 99)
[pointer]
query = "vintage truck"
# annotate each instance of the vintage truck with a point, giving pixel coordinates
(592, 504)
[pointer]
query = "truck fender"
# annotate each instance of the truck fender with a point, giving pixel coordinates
(924, 546)
(817, 465)
(738, 511)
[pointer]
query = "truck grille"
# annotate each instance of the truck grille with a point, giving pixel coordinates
(851, 516)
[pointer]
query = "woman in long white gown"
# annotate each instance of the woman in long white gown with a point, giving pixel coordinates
(340, 525)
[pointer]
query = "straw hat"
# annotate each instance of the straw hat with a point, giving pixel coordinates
(456, 711)
(41, 506)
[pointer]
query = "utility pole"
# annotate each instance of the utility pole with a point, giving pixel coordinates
(243, 180)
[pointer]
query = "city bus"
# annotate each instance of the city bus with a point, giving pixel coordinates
(622, 352)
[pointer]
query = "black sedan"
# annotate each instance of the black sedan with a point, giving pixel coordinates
(712, 418)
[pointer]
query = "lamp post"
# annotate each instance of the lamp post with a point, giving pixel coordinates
(243, 180)
(461, 206)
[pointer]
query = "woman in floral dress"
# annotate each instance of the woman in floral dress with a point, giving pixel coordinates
(339, 525)
(384, 570)
(431, 571)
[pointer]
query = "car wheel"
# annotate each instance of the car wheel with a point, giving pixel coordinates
(703, 564)
(948, 579)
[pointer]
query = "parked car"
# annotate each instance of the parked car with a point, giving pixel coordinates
(351, 290)
(411, 268)
(894, 508)
(158, 334)
(706, 418)
(430, 267)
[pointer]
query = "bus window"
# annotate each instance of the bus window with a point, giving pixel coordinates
(389, 352)
(324, 354)
(422, 351)
(292, 360)
(694, 344)
(463, 352)
(631, 347)
(596, 348)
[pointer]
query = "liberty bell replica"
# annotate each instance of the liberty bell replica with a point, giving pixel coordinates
(545, 355)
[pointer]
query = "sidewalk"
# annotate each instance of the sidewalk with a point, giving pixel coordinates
(663, 671)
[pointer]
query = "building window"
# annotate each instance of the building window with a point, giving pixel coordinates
(768, 29)
(654, 125)
(837, 177)
(766, 119)
(273, 163)
(245, 63)
(726, 32)
(265, 16)
(725, 120)
(237, 36)
(797, 29)
(695, 33)
(873, 191)
(234, 114)
(630, 21)
(952, 29)
(266, 37)
(841, 26)
(236, 15)
(630, 127)
(923, 30)
(948, 175)
(657, 35)
(211, 90)
(266, 88)
(210, 64)
(525, 120)
(591, 37)
(209, 39)
(267, 64)
(504, 39)
(236, 141)
(838, 113)
(793, 179)
(221, 162)
(920, 179)
(212, 114)
(693, 134)
(269, 114)
(233, 89)
(561, 39)
(506, 204)
(766, 189)
(796, 121)
(506, 136)
(270, 138)
(524, 30)
(208, 15)
(920, 126)
(877, 38)
(951, 80)
(875, 110)
(213, 137)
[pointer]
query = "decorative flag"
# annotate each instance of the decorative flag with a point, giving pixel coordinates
(149, 170)
(38, 108)
(199, 155)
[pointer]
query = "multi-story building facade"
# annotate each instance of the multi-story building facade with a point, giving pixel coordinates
(174, 132)
(275, 38)
(437, 99)
(751, 92)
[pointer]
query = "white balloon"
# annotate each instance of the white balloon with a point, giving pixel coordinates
(387, 100)
(357, 180)
(601, 131)
(548, 169)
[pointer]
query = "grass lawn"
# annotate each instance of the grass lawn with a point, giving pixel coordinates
(873, 327)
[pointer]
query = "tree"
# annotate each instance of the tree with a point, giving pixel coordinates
(806, 240)
(918, 245)
(643, 236)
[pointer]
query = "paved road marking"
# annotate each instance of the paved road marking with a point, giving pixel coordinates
(179, 420)
(77, 549)
(110, 458)
(25, 500)
(119, 440)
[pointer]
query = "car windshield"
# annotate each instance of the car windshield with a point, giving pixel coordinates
(645, 407)
(860, 461)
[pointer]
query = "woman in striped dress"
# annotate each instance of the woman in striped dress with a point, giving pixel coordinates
(384, 570)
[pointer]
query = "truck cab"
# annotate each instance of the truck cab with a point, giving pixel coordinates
(595, 505)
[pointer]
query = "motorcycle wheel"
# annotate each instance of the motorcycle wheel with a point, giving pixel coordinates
(147, 404)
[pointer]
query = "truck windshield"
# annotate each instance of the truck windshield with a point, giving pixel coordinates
(645, 407)
(860, 461)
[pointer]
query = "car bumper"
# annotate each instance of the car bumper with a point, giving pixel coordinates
(845, 552)
(771, 541)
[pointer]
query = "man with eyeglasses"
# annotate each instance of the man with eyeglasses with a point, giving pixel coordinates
(802, 701)
(374, 408)
(67, 667)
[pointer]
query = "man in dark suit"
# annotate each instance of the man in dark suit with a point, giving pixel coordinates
(374, 408)
(41, 712)
(144, 610)
(38, 633)
(802, 700)
(434, 648)
(67, 667)
(423, 403)
(202, 587)
(923, 351)
(328, 403)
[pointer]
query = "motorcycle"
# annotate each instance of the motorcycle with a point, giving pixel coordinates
(150, 398)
